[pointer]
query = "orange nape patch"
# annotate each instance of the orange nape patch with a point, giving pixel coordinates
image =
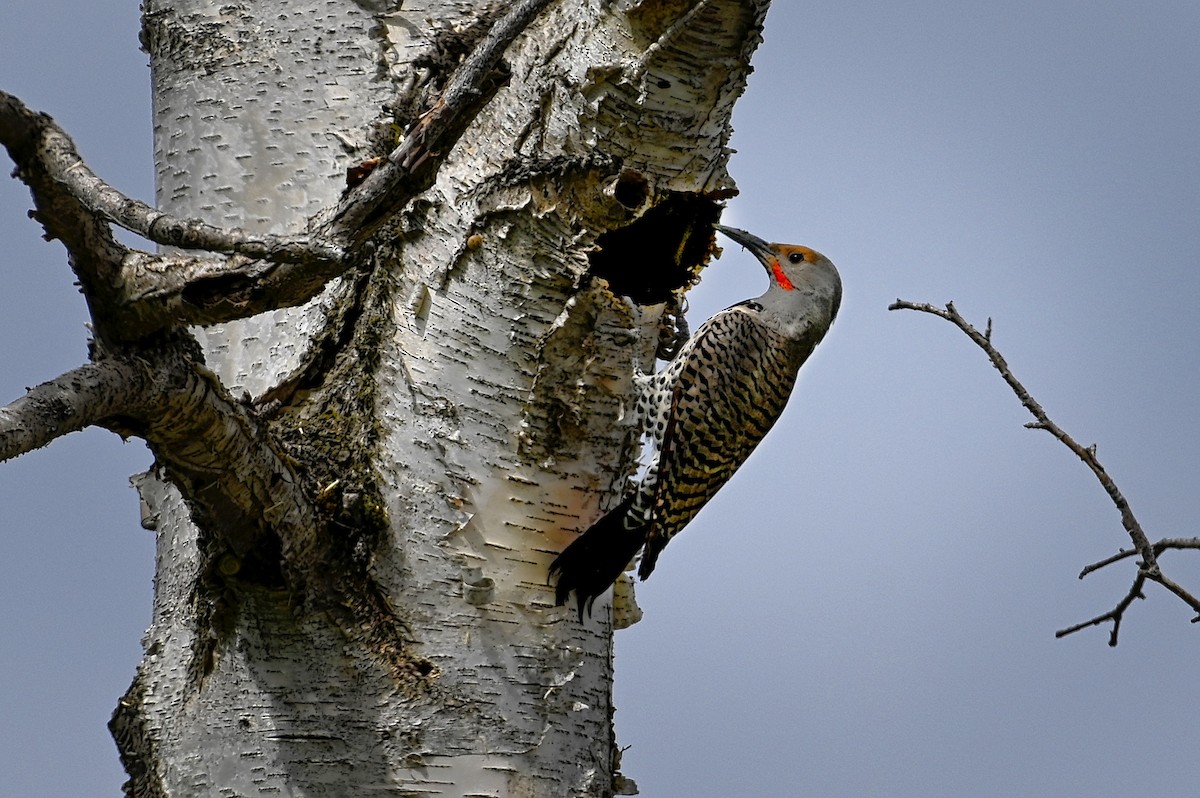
(780, 277)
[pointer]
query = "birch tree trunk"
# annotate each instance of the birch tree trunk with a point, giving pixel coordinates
(351, 590)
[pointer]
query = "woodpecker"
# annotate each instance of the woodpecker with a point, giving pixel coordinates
(706, 411)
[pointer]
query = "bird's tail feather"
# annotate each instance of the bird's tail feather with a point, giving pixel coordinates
(595, 559)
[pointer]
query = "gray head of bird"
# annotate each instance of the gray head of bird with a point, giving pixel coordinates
(805, 289)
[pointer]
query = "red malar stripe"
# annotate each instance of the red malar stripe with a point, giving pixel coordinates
(780, 277)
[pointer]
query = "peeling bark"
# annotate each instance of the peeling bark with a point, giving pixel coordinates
(356, 500)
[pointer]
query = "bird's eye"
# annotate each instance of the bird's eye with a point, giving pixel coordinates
(796, 257)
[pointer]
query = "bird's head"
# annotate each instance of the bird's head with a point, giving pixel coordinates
(799, 275)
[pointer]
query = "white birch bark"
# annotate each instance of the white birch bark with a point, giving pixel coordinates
(502, 371)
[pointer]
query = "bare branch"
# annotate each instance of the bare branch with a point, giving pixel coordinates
(223, 462)
(219, 459)
(79, 398)
(43, 145)
(1096, 566)
(236, 483)
(256, 512)
(162, 228)
(412, 166)
(1159, 548)
(1183, 595)
(1115, 614)
(36, 145)
(135, 294)
(1043, 421)
(1148, 567)
(164, 291)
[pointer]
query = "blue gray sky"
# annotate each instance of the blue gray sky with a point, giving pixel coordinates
(869, 607)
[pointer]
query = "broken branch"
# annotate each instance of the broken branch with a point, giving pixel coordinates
(412, 166)
(134, 294)
(79, 398)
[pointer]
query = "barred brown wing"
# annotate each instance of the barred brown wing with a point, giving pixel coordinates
(732, 388)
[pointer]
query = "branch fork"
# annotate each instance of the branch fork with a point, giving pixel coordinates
(147, 376)
(1148, 565)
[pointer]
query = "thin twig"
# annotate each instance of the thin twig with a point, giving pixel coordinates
(1115, 615)
(1148, 567)
(1159, 548)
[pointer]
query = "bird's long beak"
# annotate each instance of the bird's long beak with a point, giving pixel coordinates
(761, 249)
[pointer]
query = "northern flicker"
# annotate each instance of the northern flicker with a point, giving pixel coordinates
(706, 411)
